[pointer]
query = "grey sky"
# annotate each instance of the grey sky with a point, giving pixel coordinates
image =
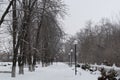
(81, 11)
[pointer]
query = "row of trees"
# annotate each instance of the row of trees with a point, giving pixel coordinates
(97, 43)
(35, 30)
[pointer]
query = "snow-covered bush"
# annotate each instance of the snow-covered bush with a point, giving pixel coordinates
(85, 66)
(110, 75)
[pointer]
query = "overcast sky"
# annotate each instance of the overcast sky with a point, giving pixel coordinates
(81, 11)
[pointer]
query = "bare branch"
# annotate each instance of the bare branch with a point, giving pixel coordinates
(6, 12)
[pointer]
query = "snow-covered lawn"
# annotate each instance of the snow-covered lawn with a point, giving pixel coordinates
(58, 71)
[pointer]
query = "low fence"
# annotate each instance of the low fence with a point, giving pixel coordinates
(5, 71)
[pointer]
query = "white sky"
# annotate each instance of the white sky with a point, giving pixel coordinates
(81, 11)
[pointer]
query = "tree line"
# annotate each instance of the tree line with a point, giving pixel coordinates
(97, 43)
(36, 31)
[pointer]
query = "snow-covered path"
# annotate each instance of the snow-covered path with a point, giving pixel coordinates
(58, 71)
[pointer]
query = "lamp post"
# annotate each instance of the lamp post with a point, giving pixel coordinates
(71, 51)
(75, 43)
(69, 55)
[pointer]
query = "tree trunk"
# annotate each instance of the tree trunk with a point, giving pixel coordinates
(34, 62)
(15, 46)
(13, 71)
(30, 68)
(21, 69)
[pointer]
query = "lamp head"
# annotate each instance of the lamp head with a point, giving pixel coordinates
(71, 50)
(75, 42)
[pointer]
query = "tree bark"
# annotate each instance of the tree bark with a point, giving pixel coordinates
(15, 48)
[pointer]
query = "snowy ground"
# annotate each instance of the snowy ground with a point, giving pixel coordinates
(58, 71)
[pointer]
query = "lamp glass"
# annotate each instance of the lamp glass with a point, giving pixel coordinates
(75, 42)
(71, 50)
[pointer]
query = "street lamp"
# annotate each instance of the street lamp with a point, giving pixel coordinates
(71, 51)
(75, 43)
(69, 54)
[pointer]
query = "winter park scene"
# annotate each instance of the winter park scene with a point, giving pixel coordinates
(59, 39)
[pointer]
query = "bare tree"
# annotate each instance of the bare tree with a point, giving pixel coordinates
(36, 37)
(98, 43)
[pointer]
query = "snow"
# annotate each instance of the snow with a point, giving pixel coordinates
(57, 71)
